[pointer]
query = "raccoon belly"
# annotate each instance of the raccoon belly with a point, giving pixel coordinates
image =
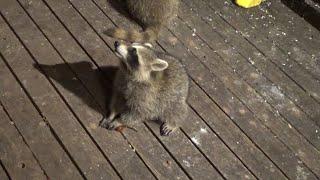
(142, 105)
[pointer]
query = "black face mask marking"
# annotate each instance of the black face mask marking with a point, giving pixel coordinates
(133, 61)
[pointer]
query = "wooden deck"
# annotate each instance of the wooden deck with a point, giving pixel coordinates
(254, 94)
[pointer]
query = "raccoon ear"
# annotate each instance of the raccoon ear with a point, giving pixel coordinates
(148, 44)
(159, 65)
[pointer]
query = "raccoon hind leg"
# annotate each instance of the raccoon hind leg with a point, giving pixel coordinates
(116, 107)
(170, 118)
(167, 128)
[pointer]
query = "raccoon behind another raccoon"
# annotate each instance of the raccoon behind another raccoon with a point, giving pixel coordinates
(151, 14)
(149, 85)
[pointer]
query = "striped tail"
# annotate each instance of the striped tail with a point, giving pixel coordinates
(149, 35)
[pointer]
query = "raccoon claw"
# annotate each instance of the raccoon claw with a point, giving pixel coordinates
(108, 124)
(111, 125)
(104, 123)
(166, 129)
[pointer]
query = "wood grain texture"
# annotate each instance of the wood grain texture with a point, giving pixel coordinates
(254, 104)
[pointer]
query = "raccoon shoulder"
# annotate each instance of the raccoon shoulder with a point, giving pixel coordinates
(173, 78)
(175, 69)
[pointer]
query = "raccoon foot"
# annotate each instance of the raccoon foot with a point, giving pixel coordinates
(166, 129)
(110, 125)
(104, 122)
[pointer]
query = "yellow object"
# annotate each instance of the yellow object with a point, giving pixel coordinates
(248, 3)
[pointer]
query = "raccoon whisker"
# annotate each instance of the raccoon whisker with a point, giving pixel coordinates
(132, 128)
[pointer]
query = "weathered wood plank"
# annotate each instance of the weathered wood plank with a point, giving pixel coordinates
(116, 148)
(81, 69)
(186, 154)
(215, 88)
(243, 48)
(259, 82)
(283, 30)
(3, 172)
(86, 91)
(273, 54)
(196, 127)
(295, 116)
(146, 160)
(176, 50)
(249, 97)
(285, 107)
(154, 154)
(82, 6)
(209, 143)
(67, 127)
(232, 135)
(276, 124)
(179, 50)
(139, 140)
(15, 154)
(33, 127)
(307, 35)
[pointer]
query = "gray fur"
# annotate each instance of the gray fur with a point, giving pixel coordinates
(141, 94)
(151, 14)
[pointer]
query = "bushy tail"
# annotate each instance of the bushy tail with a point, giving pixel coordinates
(149, 35)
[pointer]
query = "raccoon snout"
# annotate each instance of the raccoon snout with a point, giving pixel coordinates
(121, 50)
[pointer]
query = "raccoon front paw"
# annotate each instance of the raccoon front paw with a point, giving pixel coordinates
(166, 129)
(109, 124)
(104, 123)
(113, 125)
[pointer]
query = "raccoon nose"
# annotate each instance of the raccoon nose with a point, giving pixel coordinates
(116, 44)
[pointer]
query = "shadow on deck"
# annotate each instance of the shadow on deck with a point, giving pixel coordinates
(254, 105)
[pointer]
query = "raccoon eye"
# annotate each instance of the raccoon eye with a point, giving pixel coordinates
(133, 60)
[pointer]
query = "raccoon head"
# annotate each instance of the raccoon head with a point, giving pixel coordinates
(140, 60)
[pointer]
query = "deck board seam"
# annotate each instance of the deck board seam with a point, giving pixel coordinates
(244, 104)
(4, 169)
(136, 152)
(219, 14)
(171, 155)
(111, 49)
(203, 90)
(259, 93)
(251, 140)
(277, 45)
(23, 139)
(203, 154)
(259, 50)
(221, 139)
(30, 98)
(61, 95)
(152, 171)
(265, 55)
(289, 98)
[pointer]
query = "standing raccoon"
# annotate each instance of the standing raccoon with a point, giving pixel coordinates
(151, 14)
(149, 85)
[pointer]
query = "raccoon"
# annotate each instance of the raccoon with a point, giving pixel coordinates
(149, 85)
(151, 14)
